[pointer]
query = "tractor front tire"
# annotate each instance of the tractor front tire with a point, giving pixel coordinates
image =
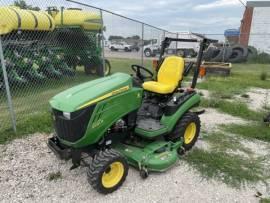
(187, 128)
(108, 171)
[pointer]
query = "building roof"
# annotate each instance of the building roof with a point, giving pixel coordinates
(258, 3)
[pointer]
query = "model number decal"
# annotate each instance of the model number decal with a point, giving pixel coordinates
(97, 123)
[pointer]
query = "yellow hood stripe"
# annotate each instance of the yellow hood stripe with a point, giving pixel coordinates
(105, 96)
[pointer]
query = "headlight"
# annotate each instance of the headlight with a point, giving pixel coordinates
(66, 115)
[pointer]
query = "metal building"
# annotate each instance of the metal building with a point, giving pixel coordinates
(255, 26)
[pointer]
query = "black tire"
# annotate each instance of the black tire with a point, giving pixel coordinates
(126, 49)
(252, 52)
(217, 55)
(236, 57)
(100, 165)
(227, 54)
(242, 49)
(208, 54)
(181, 129)
(148, 53)
(223, 55)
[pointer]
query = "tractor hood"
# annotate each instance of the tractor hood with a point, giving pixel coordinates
(89, 93)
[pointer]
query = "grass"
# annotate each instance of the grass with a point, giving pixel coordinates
(243, 76)
(54, 176)
(31, 103)
(233, 170)
(226, 159)
(222, 143)
(252, 130)
(233, 108)
(264, 200)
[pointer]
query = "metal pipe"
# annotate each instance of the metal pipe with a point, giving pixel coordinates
(102, 43)
(10, 104)
(198, 64)
(142, 51)
(62, 15)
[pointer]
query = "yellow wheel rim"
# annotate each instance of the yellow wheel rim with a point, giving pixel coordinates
(113, 175)
(107, 70)
(190, 133)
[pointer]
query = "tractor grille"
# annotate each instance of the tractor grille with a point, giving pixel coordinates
(74, 128)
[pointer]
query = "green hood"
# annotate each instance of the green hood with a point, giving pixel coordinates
(91, 92)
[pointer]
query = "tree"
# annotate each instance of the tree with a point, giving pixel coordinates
(136, 37)
(23, 5)
(115, 37)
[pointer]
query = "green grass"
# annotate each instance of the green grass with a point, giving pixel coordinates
(55, 176)
(221, 142)
(226, 159)
(264, 200)
(252, 130)
(233, 108)
(243, 76)
(40, 122)
(31, 103)
(233, 170)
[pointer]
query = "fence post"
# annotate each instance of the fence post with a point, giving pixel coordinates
(176, 45)
(9, 99)
(142, 52)
(102, 42)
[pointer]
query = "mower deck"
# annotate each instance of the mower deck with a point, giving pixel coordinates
(153, 156)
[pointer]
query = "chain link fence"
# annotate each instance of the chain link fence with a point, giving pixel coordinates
(50, 47)
(57, 45)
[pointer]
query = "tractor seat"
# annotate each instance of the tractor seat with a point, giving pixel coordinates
(169, 76)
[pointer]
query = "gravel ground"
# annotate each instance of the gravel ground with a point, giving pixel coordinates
(27, 163)
(257, 98)
(212, 118)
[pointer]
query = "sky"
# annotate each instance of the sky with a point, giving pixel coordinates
(205, 16)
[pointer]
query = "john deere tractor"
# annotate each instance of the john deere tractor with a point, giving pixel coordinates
(120, 120)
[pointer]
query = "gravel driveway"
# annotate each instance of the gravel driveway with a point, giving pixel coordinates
(27, 163)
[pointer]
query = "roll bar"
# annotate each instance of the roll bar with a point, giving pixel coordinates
(203, 44)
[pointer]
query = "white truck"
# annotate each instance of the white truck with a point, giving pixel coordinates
(184, 49)
(120, 46)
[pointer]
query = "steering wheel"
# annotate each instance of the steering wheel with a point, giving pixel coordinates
(141, 72)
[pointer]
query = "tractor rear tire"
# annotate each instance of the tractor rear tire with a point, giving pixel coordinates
(108, 171)
(187, 128)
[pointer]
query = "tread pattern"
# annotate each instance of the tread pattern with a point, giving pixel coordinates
(180, 128)
(99, 164)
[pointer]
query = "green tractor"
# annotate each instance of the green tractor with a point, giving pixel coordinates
(123, 120)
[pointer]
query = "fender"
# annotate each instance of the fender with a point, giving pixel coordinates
(170, 121)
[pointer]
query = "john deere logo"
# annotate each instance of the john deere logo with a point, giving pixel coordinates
(97, 123)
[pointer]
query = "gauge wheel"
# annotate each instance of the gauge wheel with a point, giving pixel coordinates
(108, 171)
(187, 128)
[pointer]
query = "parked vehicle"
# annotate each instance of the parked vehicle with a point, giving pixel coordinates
(152, 49)
(184, 49)
(120, 46)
